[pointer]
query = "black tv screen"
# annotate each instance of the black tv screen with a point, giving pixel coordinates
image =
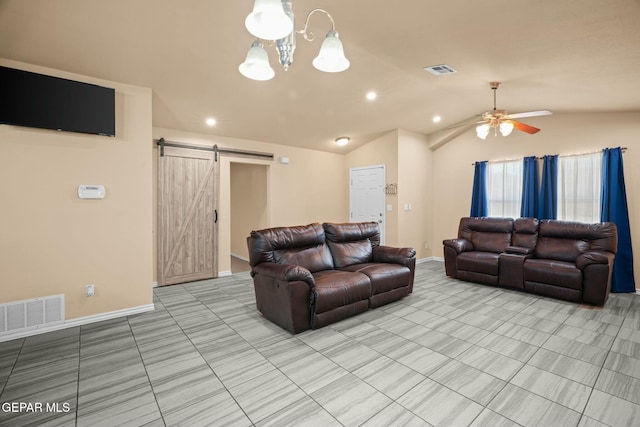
(47, 102)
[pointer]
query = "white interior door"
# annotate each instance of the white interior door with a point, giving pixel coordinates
(367, 196)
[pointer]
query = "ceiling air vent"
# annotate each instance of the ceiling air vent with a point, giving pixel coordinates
(440, 70)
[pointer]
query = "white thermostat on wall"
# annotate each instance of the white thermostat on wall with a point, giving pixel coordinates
(91, 191)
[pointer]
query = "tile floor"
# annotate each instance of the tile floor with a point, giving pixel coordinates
(450, 354)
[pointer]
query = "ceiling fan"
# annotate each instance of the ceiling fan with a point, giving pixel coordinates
(503, 121)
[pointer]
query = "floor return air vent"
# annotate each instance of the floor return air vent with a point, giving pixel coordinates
(24, 315)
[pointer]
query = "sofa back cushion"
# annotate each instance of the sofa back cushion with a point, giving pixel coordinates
(566, 240)
(487, 234)
(300, 245)
(525, 233)
(352, 243)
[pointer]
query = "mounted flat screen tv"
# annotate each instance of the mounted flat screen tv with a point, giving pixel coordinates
(46, 102)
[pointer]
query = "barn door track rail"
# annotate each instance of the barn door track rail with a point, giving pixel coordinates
(161, 143)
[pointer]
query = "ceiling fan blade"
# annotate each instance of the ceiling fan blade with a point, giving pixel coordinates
(530, 114)
(470, 121)
(524, 127)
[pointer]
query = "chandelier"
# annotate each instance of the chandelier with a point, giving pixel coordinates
(273, 20)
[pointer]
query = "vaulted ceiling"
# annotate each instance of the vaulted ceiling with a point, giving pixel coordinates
(565, 56)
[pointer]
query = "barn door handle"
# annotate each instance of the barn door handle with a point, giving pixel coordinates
(215, 211)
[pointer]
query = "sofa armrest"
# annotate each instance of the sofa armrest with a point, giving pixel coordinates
(597, 268)
(518, 250)
(393, 255)
(285, 294)
(284, 272)
(588, 258)
(458, 245)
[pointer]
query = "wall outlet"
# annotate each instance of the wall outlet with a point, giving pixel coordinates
(426, 245)
(90, 290)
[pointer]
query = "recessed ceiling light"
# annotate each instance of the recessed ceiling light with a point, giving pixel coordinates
(371, 95)
(436, 119)
(342, 141)
(211, 121)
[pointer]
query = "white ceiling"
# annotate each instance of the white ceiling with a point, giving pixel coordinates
(566, 56)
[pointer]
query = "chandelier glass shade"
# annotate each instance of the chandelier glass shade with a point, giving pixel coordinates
(256, 65)
(268, 20)
(274, 20)
(331, 58)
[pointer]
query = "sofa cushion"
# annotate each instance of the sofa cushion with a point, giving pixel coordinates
(490, 242)
(566, 240)
(553, 272)
(349, 253)
(351, 243)
(314, 258)
(486, 234)
(384, 277)
(339, 288)
(480, 262)
(301, 245)
(525, 233)
(351, 231)
(566, 250)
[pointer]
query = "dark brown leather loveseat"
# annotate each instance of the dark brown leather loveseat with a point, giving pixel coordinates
(566, 260)
(313, 275)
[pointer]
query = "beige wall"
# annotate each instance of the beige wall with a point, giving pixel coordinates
(561, 134)
(52, 242)
(313, 187)
(380, 151)
(415, 188)
(407, 161)
(249, 203)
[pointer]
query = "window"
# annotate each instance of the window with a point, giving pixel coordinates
(579, 183)
(504, 188)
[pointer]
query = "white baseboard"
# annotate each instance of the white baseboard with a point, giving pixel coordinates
(239, 257)
(154, 284)
(224, 273)
(432, 258)
(78, 321)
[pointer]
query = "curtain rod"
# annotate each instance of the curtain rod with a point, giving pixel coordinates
(584, 154)
(540, 158)
(164, 143)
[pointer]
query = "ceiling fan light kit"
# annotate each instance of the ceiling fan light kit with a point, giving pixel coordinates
(274, 20)
(503, 121)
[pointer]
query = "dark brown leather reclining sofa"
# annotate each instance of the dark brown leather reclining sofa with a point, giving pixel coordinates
(313, 275)
(566, 260)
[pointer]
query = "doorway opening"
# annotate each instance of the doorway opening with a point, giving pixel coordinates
(248, 208)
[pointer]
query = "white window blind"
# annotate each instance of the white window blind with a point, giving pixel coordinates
(579, 183)
(504, 188)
